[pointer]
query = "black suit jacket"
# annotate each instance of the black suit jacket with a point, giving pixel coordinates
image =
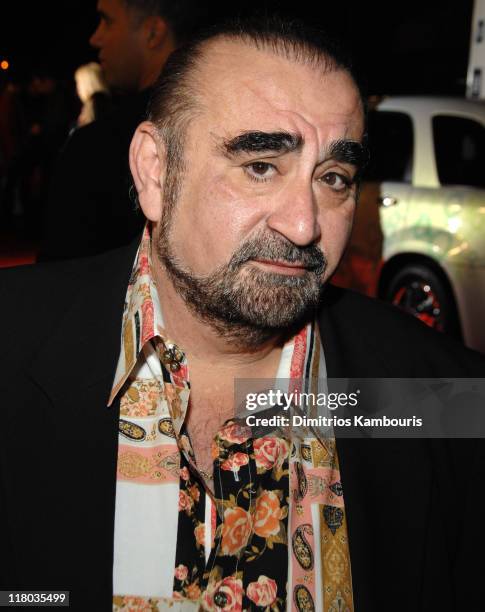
(414, 507)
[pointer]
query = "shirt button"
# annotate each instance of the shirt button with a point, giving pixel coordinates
(172, 357)
(178, 355)
(220, 599)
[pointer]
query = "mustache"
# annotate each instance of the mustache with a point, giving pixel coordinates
(273, 248)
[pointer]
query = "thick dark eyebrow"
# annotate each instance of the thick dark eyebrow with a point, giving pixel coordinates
(262, 142)
(349, 152)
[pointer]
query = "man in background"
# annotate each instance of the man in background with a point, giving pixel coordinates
(90, 209)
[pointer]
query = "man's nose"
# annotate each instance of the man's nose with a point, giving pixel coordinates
(296, 217)
(94, 41)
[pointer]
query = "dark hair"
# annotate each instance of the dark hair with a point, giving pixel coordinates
(175, 100)
(181, 15)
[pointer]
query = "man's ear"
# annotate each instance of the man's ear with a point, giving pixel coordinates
(147, 165)
(156, 31)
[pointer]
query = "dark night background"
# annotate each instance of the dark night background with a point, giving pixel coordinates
(402, 46)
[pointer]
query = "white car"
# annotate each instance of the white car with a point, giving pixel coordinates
(419, 231)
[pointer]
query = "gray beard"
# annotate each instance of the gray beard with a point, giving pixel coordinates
(244, 304)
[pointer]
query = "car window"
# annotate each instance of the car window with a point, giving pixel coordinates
(391, 147)
(460, 150)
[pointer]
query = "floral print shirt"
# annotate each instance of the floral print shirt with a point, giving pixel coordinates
(272, 536)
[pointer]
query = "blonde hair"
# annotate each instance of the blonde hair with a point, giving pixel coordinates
(89, 80)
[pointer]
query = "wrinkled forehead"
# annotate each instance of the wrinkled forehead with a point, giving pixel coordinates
(245, 88)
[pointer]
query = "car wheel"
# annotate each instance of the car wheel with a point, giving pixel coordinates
(419, 290)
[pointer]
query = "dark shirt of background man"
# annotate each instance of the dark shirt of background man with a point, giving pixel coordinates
(90, 209)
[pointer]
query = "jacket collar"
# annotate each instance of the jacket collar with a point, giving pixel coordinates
(93, 296)
(351, 350)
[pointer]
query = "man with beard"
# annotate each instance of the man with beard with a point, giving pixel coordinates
(152, 493)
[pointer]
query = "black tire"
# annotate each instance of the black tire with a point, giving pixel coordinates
(421, 291)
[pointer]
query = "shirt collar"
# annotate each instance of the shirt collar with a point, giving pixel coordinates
(142, 314)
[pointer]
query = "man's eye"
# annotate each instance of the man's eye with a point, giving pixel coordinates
(260, 171)
(337, 182)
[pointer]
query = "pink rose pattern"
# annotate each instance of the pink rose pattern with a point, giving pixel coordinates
(226, 594)
(251, 489)
(234, 462)
(263, 592)
(185, 502)
(235, 433)
(270, 452)
(181, 572)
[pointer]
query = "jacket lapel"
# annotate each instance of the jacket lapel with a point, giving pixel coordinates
(93, 321)
(386, 533)
(77, 432)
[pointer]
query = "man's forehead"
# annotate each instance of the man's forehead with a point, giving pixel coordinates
(233, 58)
(111, 6)
(251, 88)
